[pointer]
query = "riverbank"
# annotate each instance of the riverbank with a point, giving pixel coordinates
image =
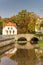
(40, 43)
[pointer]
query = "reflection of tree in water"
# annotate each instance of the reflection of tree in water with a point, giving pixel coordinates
(25, 57)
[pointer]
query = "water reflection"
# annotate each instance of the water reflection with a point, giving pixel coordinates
(7, 61)
(26, 57)
(22, 57)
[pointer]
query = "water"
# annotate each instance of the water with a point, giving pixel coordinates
(27, 57)
(7, 61)
(22, 57)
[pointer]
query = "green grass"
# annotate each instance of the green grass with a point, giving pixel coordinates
(40, 44)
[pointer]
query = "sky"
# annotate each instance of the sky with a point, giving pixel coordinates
(9, 8)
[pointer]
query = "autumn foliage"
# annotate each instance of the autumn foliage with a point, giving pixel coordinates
(25, 21)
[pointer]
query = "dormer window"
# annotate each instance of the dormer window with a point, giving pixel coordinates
(8, 27)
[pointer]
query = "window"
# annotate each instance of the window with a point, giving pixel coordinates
(8, 27)
(13, 31)
(7, 31)
(10, 31)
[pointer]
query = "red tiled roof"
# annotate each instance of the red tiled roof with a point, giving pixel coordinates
(10, 24)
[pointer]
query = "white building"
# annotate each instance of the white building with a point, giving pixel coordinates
(41, 30)
(9, 28)
(37, 26)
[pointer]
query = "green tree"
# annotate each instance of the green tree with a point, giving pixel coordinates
(31, 27)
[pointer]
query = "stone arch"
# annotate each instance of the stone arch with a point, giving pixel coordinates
(22, 40)
(34, 40)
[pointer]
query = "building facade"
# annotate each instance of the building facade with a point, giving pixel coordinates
(37, 26)
(9, 28)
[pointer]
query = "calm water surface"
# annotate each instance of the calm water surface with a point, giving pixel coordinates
(22, 57)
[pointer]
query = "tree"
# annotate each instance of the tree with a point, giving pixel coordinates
(13, 19)
(26, 21)
(31, 27)
(22, 21)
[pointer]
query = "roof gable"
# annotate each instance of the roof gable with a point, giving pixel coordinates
(9, 24)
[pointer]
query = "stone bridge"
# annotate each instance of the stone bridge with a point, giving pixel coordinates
(5, 40)
(28, 37)
(8, 42)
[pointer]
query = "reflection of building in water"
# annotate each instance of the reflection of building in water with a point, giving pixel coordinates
(9, 28)
(7, 61)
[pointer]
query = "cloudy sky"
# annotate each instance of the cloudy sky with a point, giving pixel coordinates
(11, 7)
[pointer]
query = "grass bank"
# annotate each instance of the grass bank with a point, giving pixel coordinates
(40, 44)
